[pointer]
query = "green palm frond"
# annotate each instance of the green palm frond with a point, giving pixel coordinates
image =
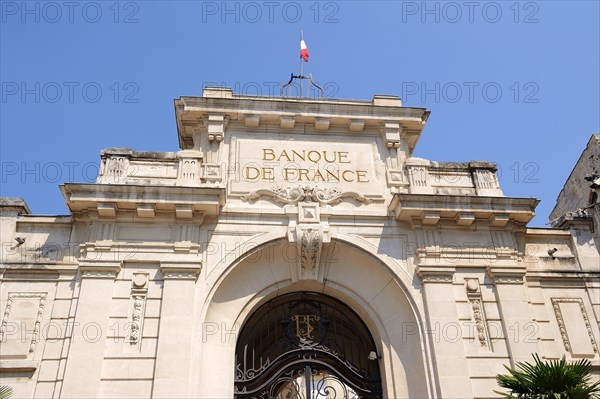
(552, 379)
(5, 392)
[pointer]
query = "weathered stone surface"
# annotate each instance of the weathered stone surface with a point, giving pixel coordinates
(144, 288)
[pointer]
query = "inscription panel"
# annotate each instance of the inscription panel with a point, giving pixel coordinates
(283, 162)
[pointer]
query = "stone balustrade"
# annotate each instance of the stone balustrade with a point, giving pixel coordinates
(183, 168)
(454, 178)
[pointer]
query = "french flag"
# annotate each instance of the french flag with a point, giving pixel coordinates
(303, 51)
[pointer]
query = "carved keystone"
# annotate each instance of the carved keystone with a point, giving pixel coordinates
(309, 239)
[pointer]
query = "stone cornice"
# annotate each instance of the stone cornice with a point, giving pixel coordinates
(563, 278)
(108, 199)
(16, 270)
(13, 205)
(53, 220)
(322, 108)
(321, 113)
(18, 366)
(573, 219)
(430, 209)
(545, 232)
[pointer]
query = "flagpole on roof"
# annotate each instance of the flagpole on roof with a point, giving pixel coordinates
(301, 38)
(303, 57)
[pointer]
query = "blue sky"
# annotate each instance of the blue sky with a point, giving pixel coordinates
(516, 83)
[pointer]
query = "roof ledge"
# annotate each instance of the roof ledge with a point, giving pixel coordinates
(13, 204)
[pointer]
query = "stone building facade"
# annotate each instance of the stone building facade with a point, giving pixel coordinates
(291, 248)
(579, 201)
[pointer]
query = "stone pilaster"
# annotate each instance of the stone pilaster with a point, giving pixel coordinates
(89, 331)
(174, 352)
(444, 333)
(520, 329)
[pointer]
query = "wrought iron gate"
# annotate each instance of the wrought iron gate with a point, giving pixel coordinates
(308, 346)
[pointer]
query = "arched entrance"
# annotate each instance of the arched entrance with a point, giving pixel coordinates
(377, 290)
(306, 345)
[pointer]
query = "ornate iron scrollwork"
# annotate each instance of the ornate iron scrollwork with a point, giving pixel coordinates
(305, 345)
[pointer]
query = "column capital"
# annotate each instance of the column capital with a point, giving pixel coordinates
(504, 275)
(100, 269)
(436, 274)
(180, 270)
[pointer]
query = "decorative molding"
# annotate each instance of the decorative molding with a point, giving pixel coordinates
(310, 240)
(211, 172)
(474, 296)
(508, 279)
(180, 272)
(397, 177)
(406, 207)
(189, 169)
(418, 175)
(429, 243)
(435, 274)
(293, 195)
(436, 278)
(25, 295)
(18, 366)
(117, 167)
(561, 323)
(186, 232)
(179, 275)
(136, 320)
(484, 179)
(139, 292)
(309, 249)
(417, 171)
(140, 281)
(479, 320)
(99, 273)
(505, 244)
(500, 275)
(104, 231)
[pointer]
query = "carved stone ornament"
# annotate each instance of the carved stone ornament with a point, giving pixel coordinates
(309, 239)
(139, 292)
(428, 277)
(136, 319)
(41, 296)
(310, 244)
(561, 322)
(293, 195)
(474, 295)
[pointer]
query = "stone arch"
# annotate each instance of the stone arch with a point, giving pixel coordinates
(356, 276)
